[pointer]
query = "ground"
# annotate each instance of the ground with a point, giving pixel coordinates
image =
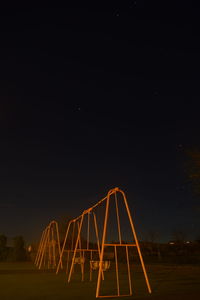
(25, 282)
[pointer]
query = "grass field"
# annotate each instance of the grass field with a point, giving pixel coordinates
(23, 281)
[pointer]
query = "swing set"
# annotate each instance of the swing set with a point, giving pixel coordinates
(94, 241)
(49, 247)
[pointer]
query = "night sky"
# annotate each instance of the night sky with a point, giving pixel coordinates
(93, 98)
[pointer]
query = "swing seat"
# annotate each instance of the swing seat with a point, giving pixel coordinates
(79, 260)
(106, 265)
(94, 264)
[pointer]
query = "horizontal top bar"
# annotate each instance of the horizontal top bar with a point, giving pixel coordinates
(78, 250)
(110, 192)
(130, 245)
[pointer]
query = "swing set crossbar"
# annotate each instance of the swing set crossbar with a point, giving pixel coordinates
(120, 245)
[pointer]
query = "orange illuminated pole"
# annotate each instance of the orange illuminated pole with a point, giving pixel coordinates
(114, 191)
(73, 232)
(90, 266)
(38, 250)
(97, 237)
(44, 247)
(97, 240)
(118, 220)
(129, 273)
(81, 255)
(48, 251)
(43, 244)
(64, 245)
(44, 252)
(137, 243)
(72, 246)
(117, 270)
(88, 231)
(45, 259)
(76, 246)
(40, 247)
(58, 240)
(55, 232)
(53, 248)
(97, 233)
(103, 242)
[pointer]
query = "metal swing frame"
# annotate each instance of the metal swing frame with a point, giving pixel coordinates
(76, 248)
(49, 247)
(75, 251)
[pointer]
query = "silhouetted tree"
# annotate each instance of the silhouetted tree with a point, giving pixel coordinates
(3, 240)
(179, 248)
(192, 169)
(19, 252)
(179, 236)
(152, 243)
(3, 248)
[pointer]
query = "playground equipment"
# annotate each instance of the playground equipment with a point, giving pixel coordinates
(104, 241)
(49, 247)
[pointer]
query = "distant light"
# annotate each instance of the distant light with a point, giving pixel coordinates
(188, 242)
(29, 248)
(171, 243)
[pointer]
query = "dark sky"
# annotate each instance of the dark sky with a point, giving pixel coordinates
(93, 98)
